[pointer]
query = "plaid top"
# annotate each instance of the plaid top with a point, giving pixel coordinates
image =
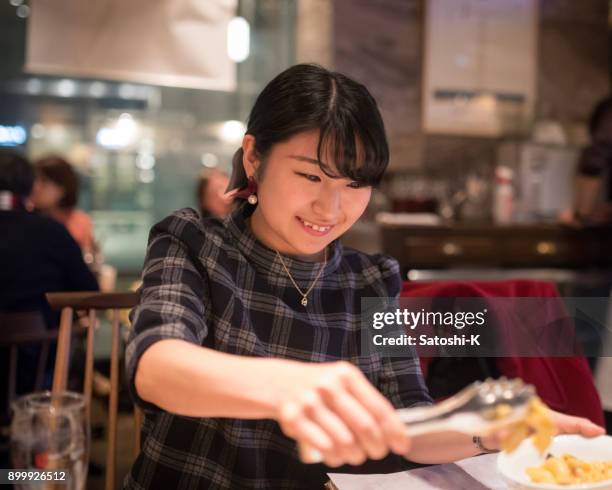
(212, 283)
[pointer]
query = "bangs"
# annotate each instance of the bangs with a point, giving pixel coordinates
(348, 149)
(352, 143)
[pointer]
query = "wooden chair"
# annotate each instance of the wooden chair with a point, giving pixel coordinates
(20, 329)
(91, 302)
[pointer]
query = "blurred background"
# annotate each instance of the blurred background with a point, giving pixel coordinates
(138, 148)
(486, 106)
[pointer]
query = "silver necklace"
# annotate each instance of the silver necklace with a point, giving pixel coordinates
(304, 295)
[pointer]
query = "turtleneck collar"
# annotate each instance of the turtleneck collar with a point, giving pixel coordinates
(266, 260)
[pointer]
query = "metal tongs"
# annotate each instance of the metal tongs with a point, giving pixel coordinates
(478, 409)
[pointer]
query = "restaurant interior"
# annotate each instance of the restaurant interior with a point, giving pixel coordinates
(493, 113)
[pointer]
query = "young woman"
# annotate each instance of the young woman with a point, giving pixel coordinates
(246, 339)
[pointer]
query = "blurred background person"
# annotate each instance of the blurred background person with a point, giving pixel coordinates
(210, 189)
(56, 193)
(37, 256)
(594, 172)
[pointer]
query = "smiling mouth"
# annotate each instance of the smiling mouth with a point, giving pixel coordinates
(315, 227)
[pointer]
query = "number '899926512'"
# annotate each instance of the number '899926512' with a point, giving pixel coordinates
(34, 475)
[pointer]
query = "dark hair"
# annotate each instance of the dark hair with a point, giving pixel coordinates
(306, 97)
(602, 110)
(60, 172)
(16, 173)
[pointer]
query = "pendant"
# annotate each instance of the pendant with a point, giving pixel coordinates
(304, 301)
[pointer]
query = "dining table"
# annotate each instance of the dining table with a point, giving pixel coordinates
(476, 473)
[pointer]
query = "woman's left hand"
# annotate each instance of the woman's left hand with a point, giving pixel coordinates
(568, 424)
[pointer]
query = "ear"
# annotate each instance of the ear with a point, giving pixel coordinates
(250, 160)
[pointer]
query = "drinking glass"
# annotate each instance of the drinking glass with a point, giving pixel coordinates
(51, 433)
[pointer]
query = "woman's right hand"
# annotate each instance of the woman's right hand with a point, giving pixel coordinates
(336, 415)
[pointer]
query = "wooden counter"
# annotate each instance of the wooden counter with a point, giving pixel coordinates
(515, 246)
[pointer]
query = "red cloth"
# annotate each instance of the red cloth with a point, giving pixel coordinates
(563, 383)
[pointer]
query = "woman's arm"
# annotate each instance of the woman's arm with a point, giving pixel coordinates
(445, 447)
(329, 407)
(195, 381)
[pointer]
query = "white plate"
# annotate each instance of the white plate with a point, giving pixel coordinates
(512, 466)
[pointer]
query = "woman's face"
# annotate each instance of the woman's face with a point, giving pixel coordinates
(46, 194)
(301, 210)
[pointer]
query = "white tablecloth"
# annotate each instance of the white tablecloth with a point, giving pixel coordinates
(477, 473)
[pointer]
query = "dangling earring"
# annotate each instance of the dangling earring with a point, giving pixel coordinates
(249, 192)
(252, 189)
